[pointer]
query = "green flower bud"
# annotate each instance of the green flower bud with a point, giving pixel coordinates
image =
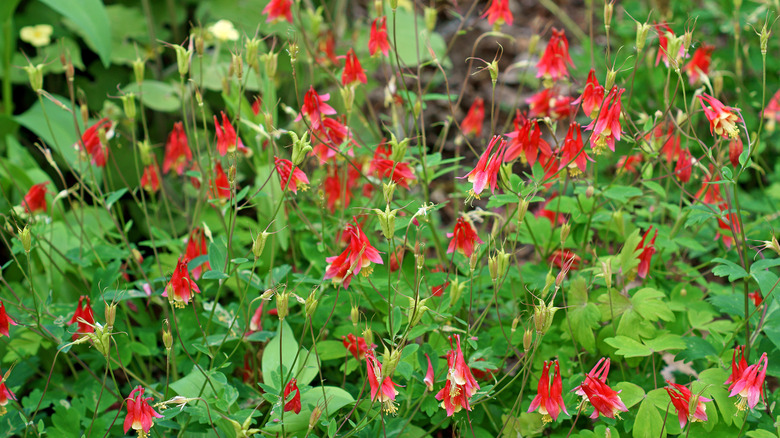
(128, 102)
(565, 229)
(528, 339)
(354, 315)
(282, 303)
(237, 65)
(35, 75)
(764, 39)
(258, 244)
(314, 417)
(608, 10)
(386, 221)
(398, 148)
(456, 290)
(301, 147)
(368, 335)
(606, 268)
(522, 208)
(493, 69)
(26, 238)
(252, 50)
(138, 69)
(110, 314)
(310, 305)
(167, 336)
(417, 308)
(611, 75)
(641, 35)
(430, 19)
(348, 96)
(387, 190)
(183, 59)
(389, 362)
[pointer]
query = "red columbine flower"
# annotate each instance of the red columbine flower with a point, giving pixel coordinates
(472, 123)
(377, 40)
(328, 138)
(428, 380)
(5, 321)
(725, 228)
(314, 107)
(722, 119)
(699, 65)
(573, 152)
(599, 372)
(591, 96)
(684, 166)
(338, 188)
(196, 247)
(219, 187)
(278, 10)
(735, 150)
(555, 218)
(482, 374)
(710, 189)
(460, 385)
(181, 287)
(227, 140)
(565, 259)
(385, 391)
(356, 345)
(139, 414)
(681, 399)
(384, 167)
(646, 256)
(553, 62)
(327, 49)
(295, 403)
(35, 199)
(663, 42)
(772, 111)
(298, 177)
(256, 322)
(92, 144)
(5, 395)
(604, 399)
(737, 366)
(353, 71)
(177, 151)
(84, 313)
(257, 104)
(548, 103)
(548, 398)
(756, 297)
(526, 142)
(486, 171)
(464, 236)
(606, 127)
(750, 384)
(356, 257)
(150, 180)
(628, 163)
(498, 12)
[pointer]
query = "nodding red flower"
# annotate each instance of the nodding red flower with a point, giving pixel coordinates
(295, 403)
(91, 142)
(382, 166)
(278, 10)
(429, 378)
(548, 103)
(35, 199)
(750, 384)
(735, 150)
(475, 118)
(737, 366)
(377, 40)
(437, 291)
(5, 395)
(710, 188)
(140, 415)
(699, 65)
(353, 71)
(553, 62)
(256, 322)
(196, 247)
(385, 391)
(646, 256)
(327, 48)
(573, 153)
(663, 42)
(684, 166)
(600, 371)
(181, 287)
(328, 138)
(591, 96)
(356, 345)
(396, 258)
(177, 151)
(526, 141)
(257, 104)
(314, 107)
(756, 297)
(227, 139)
(565, 259)
(298, 177)
(724, 227)
(150, 180)
(482, 374)
(549, 399)
(219, 186)
(498, 12)
(681, 399)
(722, 119)
(664, 136)
(5, 321)
(460, 384)
(83, 312)
(355, 258)
(772, 111)
(338, 188)
(464, 236)
(628, 163)
(606, 127)
(604, 399)
(486, 171)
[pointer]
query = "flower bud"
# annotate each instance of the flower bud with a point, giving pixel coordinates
(493, 268)
(673, 45)
(543, 317)
(610, 81)
(348, 96)
(533, 43)
(608, 432)
(183, 59)
(641, 35)
(167, 336)
(258, 244)
(606, 268)
(609, 7)
(368, 335)
(456, 291)
(387, 190)
(389, 362)
(310, 306)
(773, 244)
(417, 309)
(267, 294)
(138, 69)
(379, 7)
(314, 417)
(282, 303)
(128, 102)
(474, 259)
(763, 38)
(26, 238)
(589, 192)
(252, 48)
(522, 208)
(200, 43)
(493, 69)
(394, 4)
(293, 52)
(301, 147)
(565, 229)
(237, 65)
(110, 314)
(35, 75)
(398, 148)
(515, 322)
(354, 315)
(198, 98)
(430, 19)
(386, 221)
(528, 339)
(145, 151)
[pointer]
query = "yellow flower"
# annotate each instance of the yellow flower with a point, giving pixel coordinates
(38, 36)
(224, 30)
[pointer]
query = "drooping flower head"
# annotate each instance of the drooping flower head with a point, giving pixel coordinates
(35, 199)
(219, 186)
(549, 399)
(150, 179)
(460, 385)
(196, 247)
(5, 321)
(84, 317)
(564, 259)
(330, 137)
(140, 416)
(725, 224)
(573, 152)
(299, 179)
(684, 166)
(383, 166)
(553, 62)
(92, 141)
(227, 139)
(295, 402)
(278, 10)
(353, 71)
(178, 155)
(663, 43)
(339, 186)
(591, 96)
(464, 237)
(737, 366)
(628, 164)
(600, 371)
(526, 142)
(383, 392)
(5, 395)
(377, 40)
(498, 12)
(735, 150)
(181, 287)
(681, 399)
(472, 123)
(327, 49)
(772, 112)
(550, 103)
(429, 378)
(709, 193)
(486, 171)
(314, 107)
(356, 257)
(723, 120)
(750, 384)
(646, 256)
(604, 399)
(606, 127)
(356, 345)
(699, 65)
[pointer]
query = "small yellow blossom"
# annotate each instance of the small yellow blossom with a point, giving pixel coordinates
(38, 36)
(224, 30)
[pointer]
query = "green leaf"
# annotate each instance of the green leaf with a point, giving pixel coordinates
(90, 20)
(665, 342)
(649, 421)
(622, 193)
(159, 96)
(654, 186)
(192, 384)
(728, 268)
(630, 393)
(650, 304)
(328, 398)
(584, 316)
(290, 360)
(114, 196)
(218, 254)
(628, 255)
(628, 347)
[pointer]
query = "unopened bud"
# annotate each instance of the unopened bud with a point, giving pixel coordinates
(528, 339)
(167, 336)
(687, 40)
(493, 69)
(35, 75)
(611, 74)
(231, 174)
(430, 19)
(608, 433)
(549, 281)
(474, 259)
(293, 52)
(145, 151)
(282, 303)
(368, 335)
(267, 294)
(417, 309)
(237, 64)
(641, 35)
(673, 46)
(398, 148)
(354, 315)
(258, 244)
(379, 7)
(522, 208)
(200, 44)
(301, 147)
(394, 4)
(606, 268)
(387, 190)
(763, 38)
(183, 59)
(515, 322)
(543, 317)
(390, 362)
(26, 238)
(84, 110)
(608, 9)
(565, 229)
(504, 174)
(417, 108)
(128, 102)
(386, 221)
(110, 314)
(314, 417)
(589, 192)
(252, 48)
(456, 291)
(348, 96)
(310, 306)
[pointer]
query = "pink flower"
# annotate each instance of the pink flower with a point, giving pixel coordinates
(385, 391)
(750, 384)
(681, 399)
(464, 236)
(377, 40)
(140, 415)
(181, 287)
(472, 123)
(357, 257)
(606, 128)
(553, 62)
(177, 151)
(314, 107)
(428, 380)
(722, 119)
(298, 177)
(549, 399)
(278, 10)
(498, 12)
(460, 385)
(486, 171)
